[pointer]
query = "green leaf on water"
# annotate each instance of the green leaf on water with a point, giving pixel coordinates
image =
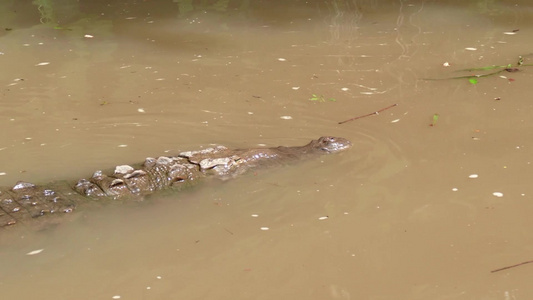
(320, 98)
(472, 80)
(62, 28)
(435, 119)
(314, 97)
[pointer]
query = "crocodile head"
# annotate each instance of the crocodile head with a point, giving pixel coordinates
(330, 144)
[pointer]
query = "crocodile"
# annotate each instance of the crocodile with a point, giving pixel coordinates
(27, 201)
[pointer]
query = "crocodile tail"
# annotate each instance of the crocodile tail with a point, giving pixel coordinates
(27, 201)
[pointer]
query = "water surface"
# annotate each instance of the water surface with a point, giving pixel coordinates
(401, 215)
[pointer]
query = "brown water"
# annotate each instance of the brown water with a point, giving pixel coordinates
(404, 218)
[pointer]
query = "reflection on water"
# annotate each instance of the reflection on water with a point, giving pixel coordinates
(90, 85)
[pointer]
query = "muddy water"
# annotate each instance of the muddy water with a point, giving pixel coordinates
(401, 215)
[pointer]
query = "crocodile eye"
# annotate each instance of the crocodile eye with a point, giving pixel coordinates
(328, 141)
(179, 179)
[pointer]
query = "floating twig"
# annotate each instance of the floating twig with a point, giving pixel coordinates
(477, 75)
(508, 267)
(497, 70)
(368, 115)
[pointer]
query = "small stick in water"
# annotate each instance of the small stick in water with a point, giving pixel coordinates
(508, 267)
(368, 115)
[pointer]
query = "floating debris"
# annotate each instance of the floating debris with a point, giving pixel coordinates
(471, 49)
(282, 59)
(498, 194)
(473, 176)
(323, 218)
(265, 228)
(35, 252)
(43, 64)
(286, 117)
